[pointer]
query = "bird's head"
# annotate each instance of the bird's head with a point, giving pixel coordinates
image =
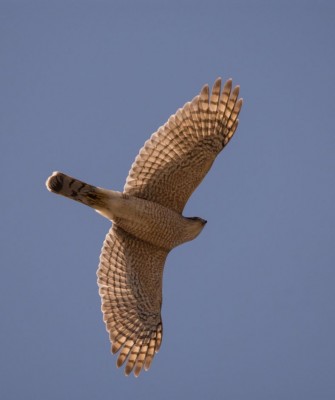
(200, 221)
(193, 227)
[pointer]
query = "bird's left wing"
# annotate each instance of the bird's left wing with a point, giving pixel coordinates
(130, 285)
(177, 157)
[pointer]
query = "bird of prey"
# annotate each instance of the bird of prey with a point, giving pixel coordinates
(147, 220)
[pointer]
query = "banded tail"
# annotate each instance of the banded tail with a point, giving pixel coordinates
(74, 189)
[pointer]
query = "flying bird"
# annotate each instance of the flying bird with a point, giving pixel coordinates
(147, 220)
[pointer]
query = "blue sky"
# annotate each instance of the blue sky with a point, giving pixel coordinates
(248, 307)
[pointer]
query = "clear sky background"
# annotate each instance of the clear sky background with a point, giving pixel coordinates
(248, 306)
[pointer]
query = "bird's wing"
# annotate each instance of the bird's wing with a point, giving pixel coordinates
(130, 285)
(177, 157)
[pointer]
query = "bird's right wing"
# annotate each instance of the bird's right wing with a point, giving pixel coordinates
(177, 157)
(130, 285)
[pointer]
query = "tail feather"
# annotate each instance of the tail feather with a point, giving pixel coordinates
(74, 189)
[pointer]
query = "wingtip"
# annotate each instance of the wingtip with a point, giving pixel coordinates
(236, 91)
(127, 370)
(119, 362)
(228, 84)
(205, 89)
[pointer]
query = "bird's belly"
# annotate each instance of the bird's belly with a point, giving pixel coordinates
(151, 222)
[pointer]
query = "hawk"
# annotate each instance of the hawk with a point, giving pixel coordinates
(147, 220)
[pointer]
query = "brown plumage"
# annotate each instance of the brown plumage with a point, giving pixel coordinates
(147, 218)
